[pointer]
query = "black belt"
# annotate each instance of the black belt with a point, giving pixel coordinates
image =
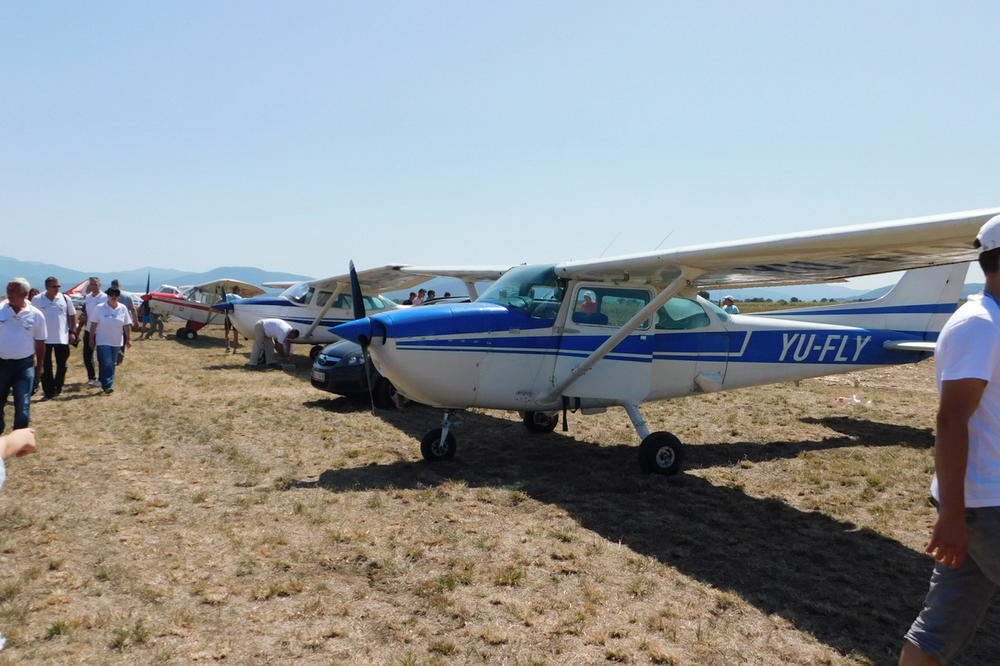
(12, 361)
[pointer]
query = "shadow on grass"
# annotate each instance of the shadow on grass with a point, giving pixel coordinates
(851, 588)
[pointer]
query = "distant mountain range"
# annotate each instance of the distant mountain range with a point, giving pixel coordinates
(135, 280)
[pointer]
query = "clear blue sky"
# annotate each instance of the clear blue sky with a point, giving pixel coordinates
(294, 136)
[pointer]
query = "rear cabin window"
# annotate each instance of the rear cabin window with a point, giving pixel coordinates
(606, 306)
(681, 314)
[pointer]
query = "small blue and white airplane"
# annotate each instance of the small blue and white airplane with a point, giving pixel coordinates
(589, 335)
(315, 306)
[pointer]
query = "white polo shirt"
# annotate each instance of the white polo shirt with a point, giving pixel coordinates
(19, 330)
(277, 329)
(57, 314)
(91, 301)
(110, 324)
(969, 347)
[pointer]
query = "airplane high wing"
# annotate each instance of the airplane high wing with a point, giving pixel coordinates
(587, 335)
(826, 255)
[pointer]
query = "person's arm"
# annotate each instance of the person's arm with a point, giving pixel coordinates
(82, 321)
(39, 354)
(71, 322)
(93, 332)
(959, 399)
(18, 443)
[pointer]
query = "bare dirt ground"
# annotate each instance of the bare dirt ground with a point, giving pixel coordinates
(204, 513)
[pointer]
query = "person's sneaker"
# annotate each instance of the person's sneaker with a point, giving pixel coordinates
(93, 382)
(108, 391)
(254, 366)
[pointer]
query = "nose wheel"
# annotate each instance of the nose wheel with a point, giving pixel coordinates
(439, 444)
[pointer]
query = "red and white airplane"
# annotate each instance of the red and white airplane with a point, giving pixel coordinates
(194, 304)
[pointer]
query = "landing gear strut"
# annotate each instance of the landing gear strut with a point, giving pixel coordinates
(660, 452)
(439, 444)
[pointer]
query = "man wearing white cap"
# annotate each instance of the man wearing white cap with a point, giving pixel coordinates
(966, 487)
(729, 306)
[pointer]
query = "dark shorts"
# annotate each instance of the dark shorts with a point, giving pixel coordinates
(959, 598)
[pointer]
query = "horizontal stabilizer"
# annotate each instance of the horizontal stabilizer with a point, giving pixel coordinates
(910, 345)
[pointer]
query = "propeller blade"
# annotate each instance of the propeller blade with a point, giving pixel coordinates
(147, 282)
(359, 313)
(356, 297)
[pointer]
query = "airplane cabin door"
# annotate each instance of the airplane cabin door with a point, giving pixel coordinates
(596, 313)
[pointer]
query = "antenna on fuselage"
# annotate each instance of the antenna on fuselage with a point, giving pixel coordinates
(664, 240)
(611, 243)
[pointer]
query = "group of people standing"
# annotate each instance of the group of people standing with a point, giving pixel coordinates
(36, 335)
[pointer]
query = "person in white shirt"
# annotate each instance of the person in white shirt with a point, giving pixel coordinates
(110, 329)
(92, 298)
(966, 488)
(60, 323)
(729, 306)
(272, 338)
(22, 347)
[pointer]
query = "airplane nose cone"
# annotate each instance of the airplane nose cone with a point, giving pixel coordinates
(354, 330)
(223, 306)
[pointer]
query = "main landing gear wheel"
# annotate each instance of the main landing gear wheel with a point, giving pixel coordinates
(314, 352)
(186, 333)
(433, 449)
(541, 422)
(660, 453)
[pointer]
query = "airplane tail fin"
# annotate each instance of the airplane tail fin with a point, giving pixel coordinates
(919, 304)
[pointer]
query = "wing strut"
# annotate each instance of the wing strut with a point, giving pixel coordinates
(322, 313)
(678, 283)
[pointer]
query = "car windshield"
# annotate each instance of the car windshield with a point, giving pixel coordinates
(534, 290)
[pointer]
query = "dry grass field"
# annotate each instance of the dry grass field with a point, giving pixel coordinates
(203, 513)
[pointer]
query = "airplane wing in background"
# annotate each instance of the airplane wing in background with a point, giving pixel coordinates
(463, 273)
(825, 255)
(216, 287)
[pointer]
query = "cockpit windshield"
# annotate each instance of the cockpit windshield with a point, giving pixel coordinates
(534, 290)
(298, 293)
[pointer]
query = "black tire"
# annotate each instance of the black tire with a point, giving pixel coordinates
(433, 450)
(314, 352)
(660, 453)
(541, 422)
(383, 394)
(185, 333)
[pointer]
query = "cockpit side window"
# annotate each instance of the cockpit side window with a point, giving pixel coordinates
(681, 314)
(608, 306)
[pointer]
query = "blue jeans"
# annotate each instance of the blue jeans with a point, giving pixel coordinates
(107, 360)
(17, 376)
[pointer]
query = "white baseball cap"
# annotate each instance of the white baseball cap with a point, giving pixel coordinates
(989, 235)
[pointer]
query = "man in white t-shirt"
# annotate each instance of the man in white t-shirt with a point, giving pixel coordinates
(22, 347)
(272, 338)
(966, 487)
(91, 299)
(730, 306)
(60, 323)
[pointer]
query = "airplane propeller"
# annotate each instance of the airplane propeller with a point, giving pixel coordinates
(364, 340)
